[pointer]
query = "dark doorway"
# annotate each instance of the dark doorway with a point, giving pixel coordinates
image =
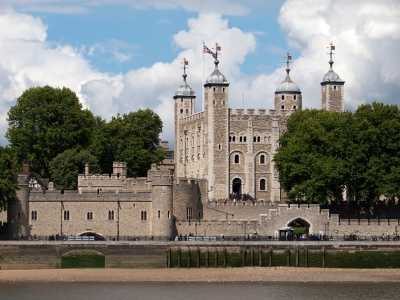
(237, 186)
(300, 227)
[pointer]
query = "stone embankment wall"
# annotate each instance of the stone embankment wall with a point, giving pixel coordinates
(37, 255)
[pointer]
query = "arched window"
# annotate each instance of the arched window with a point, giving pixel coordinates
(262, 184)
(240, 139)
(237, 159)
(262, 159)
(283, 97)
(258, 139)
(244, 139)
(230, 139)
(234, 138)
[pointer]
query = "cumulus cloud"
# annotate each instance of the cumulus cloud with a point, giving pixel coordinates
(367, 36)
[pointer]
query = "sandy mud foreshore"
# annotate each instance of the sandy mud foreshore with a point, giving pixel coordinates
(280, 274)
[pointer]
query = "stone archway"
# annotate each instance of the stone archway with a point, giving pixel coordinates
(300, 227)
(96, 236)
(237, 186)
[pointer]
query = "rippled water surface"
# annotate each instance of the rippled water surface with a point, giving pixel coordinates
(201, 291)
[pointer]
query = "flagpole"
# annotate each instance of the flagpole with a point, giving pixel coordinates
(202, 79)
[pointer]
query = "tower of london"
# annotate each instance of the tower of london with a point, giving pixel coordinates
(221, 180)
(233, 148)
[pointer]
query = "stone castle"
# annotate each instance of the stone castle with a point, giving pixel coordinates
(220, 182)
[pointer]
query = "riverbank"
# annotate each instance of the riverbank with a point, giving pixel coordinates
(247, 274)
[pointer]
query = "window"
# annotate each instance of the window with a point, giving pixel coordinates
(241, 139)
(294, 97)
(283, 97)
(159, 214)
(334, 87)
(294, 107)
(111, 215)
(66, 215)
(89, 215)
(219, 147)
(34, 215)
(262, 185)
(244, 139)
(234, 138)
(181, 111)
(237, 159)
(143, 215)
(189, 212)
(283, 107)
(258, 139)
(230, 139)
(254, 139)
(262, 159)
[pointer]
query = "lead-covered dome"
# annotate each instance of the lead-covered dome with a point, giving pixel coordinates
(184, 91)
(331, 76)
(287, 86)
(216, 77)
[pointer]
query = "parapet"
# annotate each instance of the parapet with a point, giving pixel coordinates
(160, 175)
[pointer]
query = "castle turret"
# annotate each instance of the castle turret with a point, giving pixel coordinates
(162, 192)
(288, 95)
(332, 88)
(217, 112)
(184, 107)
(18, 209)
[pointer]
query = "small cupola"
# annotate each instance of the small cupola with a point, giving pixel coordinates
(216, 77)
(184, 89)
(288, 95)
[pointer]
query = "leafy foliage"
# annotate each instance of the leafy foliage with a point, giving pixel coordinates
(132, 138)
(45, 122)
(322, 154)
(8, 181)
(66, 167)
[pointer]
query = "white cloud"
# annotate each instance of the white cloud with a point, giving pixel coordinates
(367, 35)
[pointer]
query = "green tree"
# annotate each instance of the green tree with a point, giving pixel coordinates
(66, 167)
(8, 180)
(376, 154)
(45, 122)
(312, 158)
(132, 138)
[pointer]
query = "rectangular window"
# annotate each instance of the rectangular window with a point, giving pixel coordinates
(89, 215)
(159, 214)
(34, 215)
(111, 215)
(143, 215)
(66, 215)
(189, 212)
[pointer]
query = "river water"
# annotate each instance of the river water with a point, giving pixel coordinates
(198, 291)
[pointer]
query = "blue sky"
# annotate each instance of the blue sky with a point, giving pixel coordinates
(122, 55)
(146, 35)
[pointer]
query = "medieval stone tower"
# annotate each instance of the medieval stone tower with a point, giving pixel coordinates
(288, 95)
(332, 88)
(217, 112)
(184, 107)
